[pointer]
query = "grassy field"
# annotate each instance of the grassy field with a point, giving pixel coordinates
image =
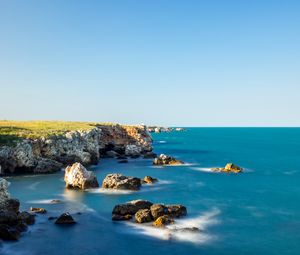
(12, 131)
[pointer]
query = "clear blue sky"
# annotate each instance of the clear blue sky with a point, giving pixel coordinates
(168, 62)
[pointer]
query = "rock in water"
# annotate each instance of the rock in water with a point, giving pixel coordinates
(123, 211)
(229, 168)
(143, 215)
(38, 210)
(162, 221)
(158, 210)
(149, 180)
(176, 211)
(76, 176)
(65, 218)
(166, 160)
(119, 181)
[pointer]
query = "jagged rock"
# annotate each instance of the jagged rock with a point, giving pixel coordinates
(65, 218)
(229, 168)
(8, 233)
(4, 195)
(166, 160)
(131, 207)
(76, 176)
(162, 221)
(38, 210)
(143, 215)
(119, 181)
(45, 165)
(176, 211)
(158, 210)
(13, 205)
(117, 217)
(26, 217)
(149, 180)
(9, 218)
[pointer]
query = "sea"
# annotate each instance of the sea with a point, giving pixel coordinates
(254, 212)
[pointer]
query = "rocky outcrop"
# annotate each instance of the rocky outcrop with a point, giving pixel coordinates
(46, 155)
(149, 180)
(12, 221)
(76, 176)
(119, 181)
(166, 160)
(157, 129)
(229, 168)
(145, 211)
(38, 210)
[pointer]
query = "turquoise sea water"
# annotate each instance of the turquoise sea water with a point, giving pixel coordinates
(256, 212)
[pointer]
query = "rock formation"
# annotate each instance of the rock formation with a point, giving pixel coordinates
(76, 176)
(166, 160)
(145, 211)
(65, 219)
(119, 181)
(149, 180)
(229, 168)
(45, 155)
(12, 221)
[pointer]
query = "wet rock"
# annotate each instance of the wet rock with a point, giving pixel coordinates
(119, 181)
(8, 233)
(176, 211)
(162, 221)
(27, 217)
(52, 218)
(143, 215)
(131, 207)
(76, 176)
(38, 210)
(166, 160)
(229, 168)
(8, 217)
(45, 165)
(149, 180)
(56, 201)
(13, 205)
(158, 210)
(150, 155)
(65, 218)
(21, 227)
(117, 217)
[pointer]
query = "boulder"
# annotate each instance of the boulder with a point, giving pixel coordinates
(131, 207)
(229, 168)
(45, 165)
(162, 221)
(166, 160)
(76, 176)
(150, 155)
(26, 217)
(117, 217)
(149, 180)
(119, 181)
(143, 215)
(158, 210)
(8, 233)
(38, 210)
(65, 218)
(176, 211)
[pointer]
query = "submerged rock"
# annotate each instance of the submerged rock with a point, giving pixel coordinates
(76, 176)
(8, 233)
(123, 161)
(176, 211)
(65, 218)
(119, 181)
(117, 217)
(229, 168)
(150, 155)
(166, 160)
(27, 217)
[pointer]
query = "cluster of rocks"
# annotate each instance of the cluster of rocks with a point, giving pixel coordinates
(145, 211)
(157, 129)
(229, 168)
(47, 155)
(78, 177)
(166, 160)
(12, 221)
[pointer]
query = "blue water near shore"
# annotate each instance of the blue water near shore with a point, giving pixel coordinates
(256, 212)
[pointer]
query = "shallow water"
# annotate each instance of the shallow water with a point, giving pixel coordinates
(256, 212)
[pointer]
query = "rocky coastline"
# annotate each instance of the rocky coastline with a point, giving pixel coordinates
(50, 154)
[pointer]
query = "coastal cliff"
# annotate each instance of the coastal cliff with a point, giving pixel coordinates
(50, 153)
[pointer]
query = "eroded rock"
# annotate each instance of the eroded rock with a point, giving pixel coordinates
(229, 168)
(143, 215)
(166, 160)
(65, 219)
(119, 181)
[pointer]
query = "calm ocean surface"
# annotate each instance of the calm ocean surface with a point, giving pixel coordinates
(256, 212)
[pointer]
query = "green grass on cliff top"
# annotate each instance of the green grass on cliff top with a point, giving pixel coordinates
(12, 131)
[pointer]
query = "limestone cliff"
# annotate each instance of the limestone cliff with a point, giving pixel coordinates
(51, 154)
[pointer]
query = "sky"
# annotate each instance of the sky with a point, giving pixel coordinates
(158, 62)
